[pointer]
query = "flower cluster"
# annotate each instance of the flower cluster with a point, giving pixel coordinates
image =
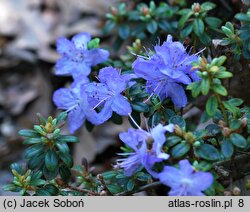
(165, 73)
(164, 146)
(167, 70)
(96, 101)
(77, 59)
(147, 147)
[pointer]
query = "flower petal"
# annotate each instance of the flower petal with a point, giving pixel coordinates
(95, 56)
(121, 106)
(76, 119)
(64, 98)
(177, 94)
(170, 176)
(112, 79)
(186, 168)
(64, 46)
(146, 69)
(133, 137)
(81, 40)
(201, 181)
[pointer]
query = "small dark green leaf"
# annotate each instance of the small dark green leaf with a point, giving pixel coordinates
(205, 86)
(198, 26)
(178, 120)
(227, 148)
(168, 113)
(186, 31)
(36, 162)
(109, 175)
(235, 102)
(34, 150)
(65, 173)
(62, 147)
(230, 107)
(208, 152)
(223, 74)
(61, 117)
(114, 189)
(67, 159)
(242, 17)
(184, 18)
(238, 140)
(53, 190)
(220, 89)
(124, 31)
(130, 185)
(205, 39)
(211, 106)
(68, 139)
(9, 187)
(29, 141)
(51, 160)
(42, 192)
(180, 150)
(108, 27)
(213, 22)
(208, 6)
(234, 124)
(152, 26)
(172, 140)
(28, 133)
(50, 175)
(140, 107)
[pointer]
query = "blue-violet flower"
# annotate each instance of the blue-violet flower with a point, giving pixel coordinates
(74, 101)
(106, 96)
(185, 181)
(166, 70)
(76, 59)
(144, 156)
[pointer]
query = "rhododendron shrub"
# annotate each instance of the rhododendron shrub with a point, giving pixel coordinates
(154, 89)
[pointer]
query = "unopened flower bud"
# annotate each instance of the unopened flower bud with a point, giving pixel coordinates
(114, 11)
(203, 63)
(103, 193)
(189, 137)
(226, 132)
(196, 7)
(222, 123)
(244, 122)
(204, 74)
(49, 128)
(145, 11)
(236, 191)
(214, 69)
(197, 144)
(178, 131)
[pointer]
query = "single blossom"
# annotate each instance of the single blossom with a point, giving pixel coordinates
(106, 96)
(185, 181)
(74, 101)
(167, 70)
(76, 59)
(143, 156)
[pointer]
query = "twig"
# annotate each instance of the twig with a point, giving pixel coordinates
(92, 193)
(100, 178)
